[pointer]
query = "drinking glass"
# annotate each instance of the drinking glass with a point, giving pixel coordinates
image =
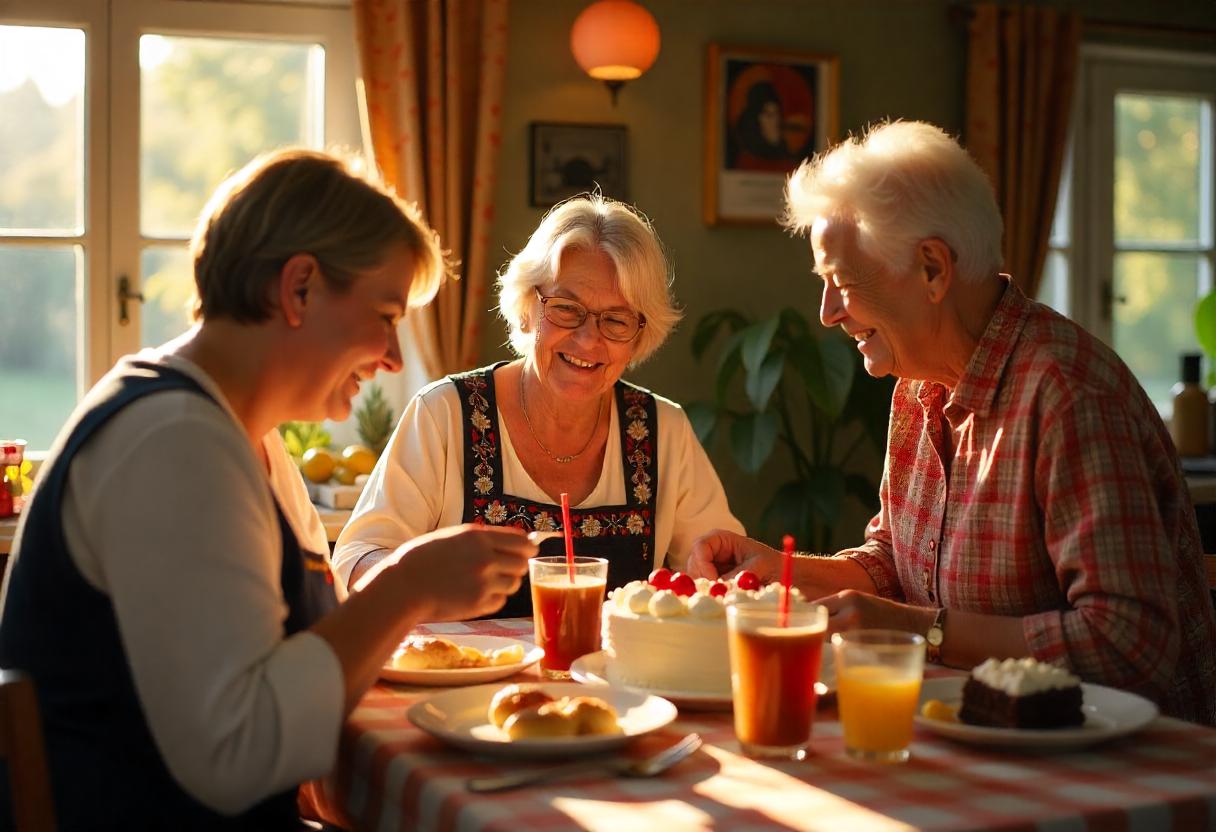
(773, 670)
(878, 675)
(566, 611)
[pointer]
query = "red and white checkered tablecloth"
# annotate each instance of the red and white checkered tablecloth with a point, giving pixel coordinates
(392, 776)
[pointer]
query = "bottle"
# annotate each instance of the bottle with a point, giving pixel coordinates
(1189, 425)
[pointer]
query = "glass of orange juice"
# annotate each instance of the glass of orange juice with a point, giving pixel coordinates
(773, 670)
(566, 605)
(878, 675)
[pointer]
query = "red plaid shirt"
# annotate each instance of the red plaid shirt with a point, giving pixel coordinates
(1047, 487)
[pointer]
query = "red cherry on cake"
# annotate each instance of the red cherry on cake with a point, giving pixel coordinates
(718, 589)
(660, 578)
(682, 584)
(747, 580)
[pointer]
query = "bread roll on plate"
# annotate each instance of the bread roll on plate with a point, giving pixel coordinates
(545, 721)
(514, 698)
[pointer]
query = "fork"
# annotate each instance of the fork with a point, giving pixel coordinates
(649, 767)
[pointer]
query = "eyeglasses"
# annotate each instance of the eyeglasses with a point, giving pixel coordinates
(613, 324)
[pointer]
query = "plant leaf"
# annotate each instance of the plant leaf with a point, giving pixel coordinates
(839, 364)
(752, 438)
(756, 341)
(761, 383)
(794, 323)
(1205, 323)
(707, 328)
(804, 354)
(729, 363)
(704, 419)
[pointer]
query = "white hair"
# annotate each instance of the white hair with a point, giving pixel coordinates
(591, 222)
(903, 182)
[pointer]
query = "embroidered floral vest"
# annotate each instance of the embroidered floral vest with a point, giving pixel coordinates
(623, 534)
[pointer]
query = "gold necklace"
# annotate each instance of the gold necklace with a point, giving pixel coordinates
(523, 402)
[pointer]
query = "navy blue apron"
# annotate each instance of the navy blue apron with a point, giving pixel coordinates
(106, 772)
(623, 534)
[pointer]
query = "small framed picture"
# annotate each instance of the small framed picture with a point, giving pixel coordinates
(766, 110)
(569, 159)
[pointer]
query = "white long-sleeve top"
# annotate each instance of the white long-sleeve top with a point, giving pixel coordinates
(169, 513)
(418, 484)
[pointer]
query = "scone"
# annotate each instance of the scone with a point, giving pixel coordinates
(593, 715)
(514, 698)
(545, 721)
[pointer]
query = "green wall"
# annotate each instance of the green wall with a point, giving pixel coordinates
(898, 59)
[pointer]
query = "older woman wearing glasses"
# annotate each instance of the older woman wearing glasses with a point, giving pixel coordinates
(588, 297)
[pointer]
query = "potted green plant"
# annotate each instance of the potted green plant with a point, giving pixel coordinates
(1205, 332)
(805, 394)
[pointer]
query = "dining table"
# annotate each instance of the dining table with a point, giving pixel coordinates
(391, 775)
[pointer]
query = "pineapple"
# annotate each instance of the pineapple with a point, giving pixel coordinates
(375, 419)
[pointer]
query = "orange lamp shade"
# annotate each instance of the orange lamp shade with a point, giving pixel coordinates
(615, 40)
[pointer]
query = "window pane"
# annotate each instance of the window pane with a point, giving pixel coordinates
(208, 106)
(41, 129)
(1053, 288)
(168, 289)
(1061, 222)
(1154, 316)
(1157, 167)
(37, 340)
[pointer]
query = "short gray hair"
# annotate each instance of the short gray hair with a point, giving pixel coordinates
(903, 182)
(595, 223)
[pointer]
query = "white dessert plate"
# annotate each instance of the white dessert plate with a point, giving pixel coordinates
(460, 718)
(1109, 713)
(593, 669)
(467, 675)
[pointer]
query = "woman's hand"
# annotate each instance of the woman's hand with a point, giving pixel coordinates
(853, 610)
(463, 572)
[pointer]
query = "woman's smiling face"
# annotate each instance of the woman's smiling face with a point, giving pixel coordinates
(581, 363)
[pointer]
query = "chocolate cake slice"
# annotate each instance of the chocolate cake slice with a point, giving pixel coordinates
(1021, 693)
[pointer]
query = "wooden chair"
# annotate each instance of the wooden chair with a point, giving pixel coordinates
(21, 748)
(1209, 561)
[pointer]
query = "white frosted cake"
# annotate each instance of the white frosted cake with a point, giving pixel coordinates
(658, 639)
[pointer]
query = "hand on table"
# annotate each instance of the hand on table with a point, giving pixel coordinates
(853, 610)
(467, 571)
(724, 554)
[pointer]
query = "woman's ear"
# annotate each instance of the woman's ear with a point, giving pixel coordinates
(937, 262)
(297, 281)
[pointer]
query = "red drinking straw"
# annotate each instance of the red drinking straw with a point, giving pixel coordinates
(569, 535)
(787, 576)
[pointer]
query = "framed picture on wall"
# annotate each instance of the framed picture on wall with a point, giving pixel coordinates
(766, 110)
(569, 159)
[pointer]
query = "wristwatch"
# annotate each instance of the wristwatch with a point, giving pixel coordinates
(935, 637)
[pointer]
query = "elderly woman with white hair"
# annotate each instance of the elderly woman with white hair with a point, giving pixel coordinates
(1032, 503)
(588, 297)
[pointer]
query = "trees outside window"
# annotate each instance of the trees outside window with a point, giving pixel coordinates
(120, 118)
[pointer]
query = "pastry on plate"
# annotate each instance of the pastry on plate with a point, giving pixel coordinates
(515, 698)
(435, 653)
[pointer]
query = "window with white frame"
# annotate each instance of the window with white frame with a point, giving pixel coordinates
(1134, 239)
(119, 119)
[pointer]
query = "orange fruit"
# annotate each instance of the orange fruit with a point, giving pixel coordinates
(318, 464)
(345, 475)
(359, 459)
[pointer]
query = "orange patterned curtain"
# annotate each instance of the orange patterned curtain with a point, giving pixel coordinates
(1021, 65)
(433, 80)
